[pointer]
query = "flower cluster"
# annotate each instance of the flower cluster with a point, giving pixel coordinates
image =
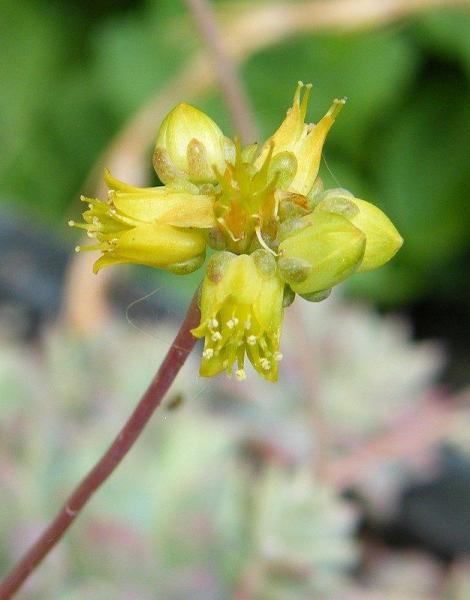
(275, 230)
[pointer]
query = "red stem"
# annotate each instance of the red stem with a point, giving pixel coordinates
(174, 360)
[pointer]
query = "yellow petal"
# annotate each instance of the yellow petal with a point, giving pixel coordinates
(268, 305)
(159, 245)
(308, 150)
(167, 207)
(116, 184)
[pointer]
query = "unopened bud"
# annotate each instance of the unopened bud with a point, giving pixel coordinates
(187, 266)
(218, 264)
(330, 244)
(265, 262)
(294, 270)
(189, 144)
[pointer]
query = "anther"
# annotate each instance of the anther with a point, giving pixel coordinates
(71, 223)
(216, 336)
(251, 340)
(208, 353)
(213, 323)
(265, 364)
(231, 323)
(278, 356)
(240, 374)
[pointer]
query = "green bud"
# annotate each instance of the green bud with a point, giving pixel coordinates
(218, 264)
(330, 244)
(189, 144)
(264, 262)
(187, 266)
(294, 270)
(383, 240)
(317, 296)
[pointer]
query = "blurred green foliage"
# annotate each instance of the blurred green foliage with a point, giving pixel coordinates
(71, 75)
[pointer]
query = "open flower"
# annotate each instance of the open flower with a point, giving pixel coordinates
(241, 313)
(275, 230)
(303, 142)
(159, 227)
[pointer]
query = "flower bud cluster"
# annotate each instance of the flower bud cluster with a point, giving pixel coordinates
(263, 210)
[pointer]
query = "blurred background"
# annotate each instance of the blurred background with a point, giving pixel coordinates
(348, 479)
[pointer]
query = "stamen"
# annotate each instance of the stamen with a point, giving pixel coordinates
(251, 340)
(231, 323)
(262, 242)
(208, 353)
(216, 336)
(213, 323)
(240, 374)
(221, 220)
(265, 363)
(278, 356)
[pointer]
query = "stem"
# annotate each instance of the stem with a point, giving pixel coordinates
(174, 360)
(230, 85)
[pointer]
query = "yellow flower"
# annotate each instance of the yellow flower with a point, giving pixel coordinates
(303, 141)
(241, 313)
(148, 226)
(275, 230)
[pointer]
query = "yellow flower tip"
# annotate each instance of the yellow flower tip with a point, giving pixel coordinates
(241, 315)
(304, 141)
(383, 239)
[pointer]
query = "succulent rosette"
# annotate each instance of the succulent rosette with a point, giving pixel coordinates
(274, 230)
